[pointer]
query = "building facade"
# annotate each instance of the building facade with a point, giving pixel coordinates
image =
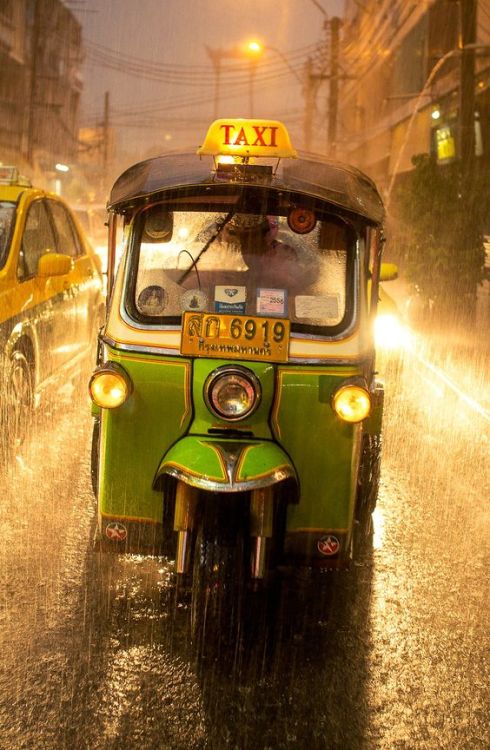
(403, 95)
(40, 84)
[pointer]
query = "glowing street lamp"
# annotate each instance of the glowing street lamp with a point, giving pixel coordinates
(254, 50)
(254, 47)
(61, 169)
(251, 50)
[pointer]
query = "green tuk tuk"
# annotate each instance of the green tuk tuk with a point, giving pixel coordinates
(237, 412)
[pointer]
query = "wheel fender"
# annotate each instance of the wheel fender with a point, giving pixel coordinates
(373, 423)
(23, 330)
(225, 465)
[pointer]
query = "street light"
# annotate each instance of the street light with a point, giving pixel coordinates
(61, 169)
(251, 50)
(255, 50)
(268, 48)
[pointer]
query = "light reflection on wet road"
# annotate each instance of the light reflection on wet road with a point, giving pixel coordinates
(393, 655)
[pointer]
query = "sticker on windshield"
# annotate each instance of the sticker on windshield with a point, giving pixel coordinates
(326, 307)
(272, 302)
(152, 300)
(194, 299)
(230, 299)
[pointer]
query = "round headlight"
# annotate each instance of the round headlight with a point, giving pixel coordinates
(109, 386)
(352, 403)
(232, 393)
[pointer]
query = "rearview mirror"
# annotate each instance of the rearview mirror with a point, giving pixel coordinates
(98, 263)
(388, 272)
(159, 225)
(54, 264)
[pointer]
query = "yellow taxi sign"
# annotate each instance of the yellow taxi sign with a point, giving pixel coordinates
(244, 138)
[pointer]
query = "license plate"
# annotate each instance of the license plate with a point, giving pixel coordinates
(235, 337)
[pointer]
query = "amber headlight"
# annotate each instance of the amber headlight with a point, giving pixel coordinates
(232, 392)
(352, 402)
(109, 386)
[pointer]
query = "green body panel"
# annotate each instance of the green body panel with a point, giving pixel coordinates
(135, 436)
(263, 460)
(324, 450)
(294, 433)
(195, 457)
(203, 462)
(257, 423)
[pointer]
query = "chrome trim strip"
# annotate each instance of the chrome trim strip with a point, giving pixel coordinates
(331, 361)
(143, 326)
(206, 484)
(141, 349)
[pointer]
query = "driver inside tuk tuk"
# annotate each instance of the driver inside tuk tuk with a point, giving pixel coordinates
(264, 254)
(187, 258)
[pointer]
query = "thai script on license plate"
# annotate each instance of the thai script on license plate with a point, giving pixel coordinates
(235, 337)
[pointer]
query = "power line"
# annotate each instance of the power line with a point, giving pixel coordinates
(131, 63)
(154, 108)
(238, 88)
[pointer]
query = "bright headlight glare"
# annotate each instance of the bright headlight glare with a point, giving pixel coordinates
(388, 331)
(232, 393)
(352, 403)
(109, 388)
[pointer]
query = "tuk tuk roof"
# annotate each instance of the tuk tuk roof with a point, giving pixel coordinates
(343, 186)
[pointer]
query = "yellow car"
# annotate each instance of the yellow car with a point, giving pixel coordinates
(51, 297)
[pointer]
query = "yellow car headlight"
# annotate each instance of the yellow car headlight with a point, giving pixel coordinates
(352, 402)
(109, 386)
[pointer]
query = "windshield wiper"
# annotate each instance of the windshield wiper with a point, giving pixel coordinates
(220, 225)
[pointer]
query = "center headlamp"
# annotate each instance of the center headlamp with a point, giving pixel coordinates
(232, 392)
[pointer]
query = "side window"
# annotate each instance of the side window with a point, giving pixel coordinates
(38, 238)
(68, 240)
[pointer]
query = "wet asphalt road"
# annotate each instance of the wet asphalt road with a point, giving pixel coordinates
(393, 655)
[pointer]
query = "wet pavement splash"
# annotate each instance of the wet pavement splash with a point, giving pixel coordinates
(393, 654)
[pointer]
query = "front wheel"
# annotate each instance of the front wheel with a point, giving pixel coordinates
(94, 457)
(367, 490)
(219, 577)
(19, 400)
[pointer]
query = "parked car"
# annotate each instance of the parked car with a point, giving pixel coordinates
(93, 218)
(51, 297)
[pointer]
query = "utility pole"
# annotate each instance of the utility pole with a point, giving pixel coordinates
(105, 130)
(333, 104)
(468, 237)
(251, 80)
(215, 56)
(325, 67)
(309, 94)
(32, 83)
(468, 10)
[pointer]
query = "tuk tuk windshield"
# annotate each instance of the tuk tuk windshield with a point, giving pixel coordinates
(228, 256)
